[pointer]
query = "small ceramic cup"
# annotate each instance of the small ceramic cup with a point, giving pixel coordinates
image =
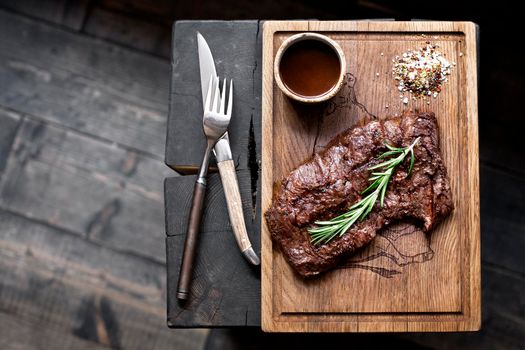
(310, 36)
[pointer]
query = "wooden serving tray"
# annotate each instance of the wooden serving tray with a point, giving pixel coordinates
(406, 280)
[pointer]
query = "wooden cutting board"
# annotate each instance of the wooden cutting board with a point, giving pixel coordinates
(406, 280)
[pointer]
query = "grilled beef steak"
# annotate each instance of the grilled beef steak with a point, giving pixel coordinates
(332, 180)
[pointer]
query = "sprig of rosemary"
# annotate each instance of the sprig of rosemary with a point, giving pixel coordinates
(325, 231)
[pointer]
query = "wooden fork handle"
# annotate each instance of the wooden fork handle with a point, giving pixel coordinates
(233, 200)
(190, 244)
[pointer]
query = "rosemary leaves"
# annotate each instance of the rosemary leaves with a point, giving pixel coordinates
(325, 231)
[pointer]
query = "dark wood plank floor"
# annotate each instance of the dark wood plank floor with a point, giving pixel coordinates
(82, 125)
(83, 105)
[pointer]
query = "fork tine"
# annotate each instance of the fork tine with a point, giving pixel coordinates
(207, 104)
(223, 97)
(216, 98)
(230, 99)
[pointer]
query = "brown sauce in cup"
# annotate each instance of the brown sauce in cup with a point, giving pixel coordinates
(310, 68)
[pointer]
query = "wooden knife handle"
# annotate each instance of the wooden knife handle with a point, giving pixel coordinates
(190, 244)
(233, 200)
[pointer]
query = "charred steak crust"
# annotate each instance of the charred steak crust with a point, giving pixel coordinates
(331, 181)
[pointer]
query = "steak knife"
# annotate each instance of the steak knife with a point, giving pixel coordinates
(225, 163)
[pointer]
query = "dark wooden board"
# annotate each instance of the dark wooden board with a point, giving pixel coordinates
(85, 84)
(231, 294)
(225, 288)
(236, 48)
(178, 192)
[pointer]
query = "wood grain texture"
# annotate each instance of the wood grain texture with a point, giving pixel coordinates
(178, 192)
(80, 290)
(67, 13)
(234, 202)
(439, 289)
(82, 254)
(10, 122)
(239, 289)
(237, 58)
(225, 290)
(29, 335)
(84, 84)
(105, 193)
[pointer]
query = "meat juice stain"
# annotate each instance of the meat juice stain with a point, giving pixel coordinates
(310, 68)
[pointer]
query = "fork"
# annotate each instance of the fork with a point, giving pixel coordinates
(215, 123)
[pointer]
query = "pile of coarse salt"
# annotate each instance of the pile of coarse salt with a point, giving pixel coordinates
(421, 72)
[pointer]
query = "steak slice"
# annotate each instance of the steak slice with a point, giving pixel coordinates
(331, 181)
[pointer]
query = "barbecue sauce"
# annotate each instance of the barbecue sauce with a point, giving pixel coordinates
(310, 68)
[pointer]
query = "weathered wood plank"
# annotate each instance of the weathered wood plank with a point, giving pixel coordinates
(69, 13)
(95, 293)
(9, 123)
(230, 297)
(225, 288)
(85, 84)
(96, 189)
(27, 334)
(72, 256)
(130, 31)
(502, 218)
(177, 198)
(237, 58)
